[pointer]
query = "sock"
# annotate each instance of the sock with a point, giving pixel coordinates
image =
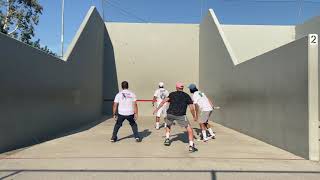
(157, 124)
(204, 133)
(211, 132)
(191, 143)
(167, 135)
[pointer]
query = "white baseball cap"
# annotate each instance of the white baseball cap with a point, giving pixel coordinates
(161, 84)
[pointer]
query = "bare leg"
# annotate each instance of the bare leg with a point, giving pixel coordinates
(190, 135)
(157, 122)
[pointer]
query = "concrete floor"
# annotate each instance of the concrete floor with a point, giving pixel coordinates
(90, 155)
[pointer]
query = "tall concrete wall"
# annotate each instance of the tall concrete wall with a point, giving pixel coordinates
(42, 95)
(266, 97)
(249, 41)
(311, 26)
(149, 53)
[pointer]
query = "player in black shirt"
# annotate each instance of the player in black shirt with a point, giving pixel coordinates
(178, 103)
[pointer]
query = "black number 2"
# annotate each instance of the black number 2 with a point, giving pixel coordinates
(313, 39)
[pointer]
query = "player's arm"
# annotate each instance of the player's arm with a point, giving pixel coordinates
(161, 104)
(136, 110)
(114, 110)
(197, 111)
(193, 111)
(154, 100)
(212, 104)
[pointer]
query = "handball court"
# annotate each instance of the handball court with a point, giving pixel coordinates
(267, 127)
(88, 154)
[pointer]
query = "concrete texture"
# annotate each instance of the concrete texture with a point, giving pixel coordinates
(249, 41)
(90, 155)
(149, 53)
(265, 97)
(42, 96)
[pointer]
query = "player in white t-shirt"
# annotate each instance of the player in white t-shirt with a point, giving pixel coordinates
(159, 95)
(205, 106)
(126, 104)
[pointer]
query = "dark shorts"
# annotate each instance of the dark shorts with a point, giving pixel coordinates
(181, 120)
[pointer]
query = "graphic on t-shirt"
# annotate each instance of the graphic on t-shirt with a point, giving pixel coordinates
(163, 94)
(125, 96)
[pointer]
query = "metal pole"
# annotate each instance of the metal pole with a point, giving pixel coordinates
(102, 10)
(300, 10)
(200, 10)
(62, 27)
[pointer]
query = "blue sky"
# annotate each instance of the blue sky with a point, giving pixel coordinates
(279, 12)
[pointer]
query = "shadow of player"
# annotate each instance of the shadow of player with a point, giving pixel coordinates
(143, 134)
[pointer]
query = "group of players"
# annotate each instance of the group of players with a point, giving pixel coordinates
(172, 106)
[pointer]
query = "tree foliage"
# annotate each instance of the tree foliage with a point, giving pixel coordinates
(18, 19)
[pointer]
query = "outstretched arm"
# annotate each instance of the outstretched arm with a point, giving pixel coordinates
(161, 104)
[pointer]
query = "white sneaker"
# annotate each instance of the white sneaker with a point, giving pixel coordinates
(157, 127)
(206, 139)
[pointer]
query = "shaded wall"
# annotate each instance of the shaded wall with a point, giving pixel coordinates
(265, 97)
(149, 53)
(42, 95)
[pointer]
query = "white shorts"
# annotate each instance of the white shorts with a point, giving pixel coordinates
(162, 110)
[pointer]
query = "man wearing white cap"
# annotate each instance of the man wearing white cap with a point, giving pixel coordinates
(159, 95)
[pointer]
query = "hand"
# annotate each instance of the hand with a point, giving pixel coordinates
(152, 104)
(135, 117)
(115, 117)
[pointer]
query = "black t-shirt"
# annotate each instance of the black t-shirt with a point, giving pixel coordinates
(179, 102)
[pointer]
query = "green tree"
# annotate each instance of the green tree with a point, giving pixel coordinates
(18, 19)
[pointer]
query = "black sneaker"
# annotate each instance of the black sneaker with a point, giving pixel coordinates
(167, 142)
(138, 139)
(192, 149)
(113, 139)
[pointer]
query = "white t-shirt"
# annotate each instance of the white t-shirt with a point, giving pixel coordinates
(125, 99)
(161, 94)
(201, 99)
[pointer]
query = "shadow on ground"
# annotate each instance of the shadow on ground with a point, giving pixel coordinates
(143, 134)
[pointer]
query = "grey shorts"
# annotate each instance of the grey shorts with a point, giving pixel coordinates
(181, 120)
(204, 116)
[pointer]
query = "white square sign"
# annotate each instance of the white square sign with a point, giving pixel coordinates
(313, 39)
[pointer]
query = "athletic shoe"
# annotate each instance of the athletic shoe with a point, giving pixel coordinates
(113, 139)
(211, 136)
(167, 142)
(192, 149)
(206, 139)
(201, 137)
(138, 139)
(157, 127)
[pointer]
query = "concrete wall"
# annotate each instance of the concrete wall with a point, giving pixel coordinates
(249, 41)
(149, 53)
(265, 97)
(42, 95)
(311, 26)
